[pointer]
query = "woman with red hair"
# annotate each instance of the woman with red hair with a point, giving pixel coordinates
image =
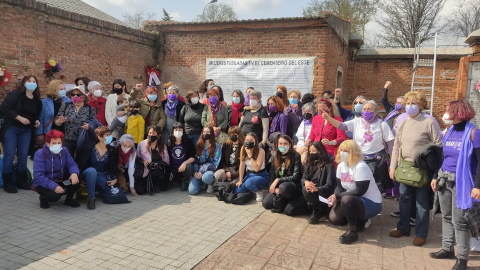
(52, 165)
(215, 114)
(324, 132)
(278, 119)
(458, 181)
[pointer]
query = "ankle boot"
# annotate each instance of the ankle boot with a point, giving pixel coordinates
(43, 202)
(460, 265)
(279, 204)
(91, 203)
(314, 218)
(22, 181)
(7, 183)
(350, 236)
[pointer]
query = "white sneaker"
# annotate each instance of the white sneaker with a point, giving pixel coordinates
(210, 189)
(367, 224)
(259, 195)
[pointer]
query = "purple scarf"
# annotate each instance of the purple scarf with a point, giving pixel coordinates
(463, 178)
(171, 107)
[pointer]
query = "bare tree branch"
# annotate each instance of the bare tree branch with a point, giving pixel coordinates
(466, 18)
(218, 13)
(137, 18)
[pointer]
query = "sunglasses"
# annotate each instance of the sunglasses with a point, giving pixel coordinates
(77, 95)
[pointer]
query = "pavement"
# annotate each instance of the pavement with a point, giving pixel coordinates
(172, 230)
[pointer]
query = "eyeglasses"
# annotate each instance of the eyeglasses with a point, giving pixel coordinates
(77, 95)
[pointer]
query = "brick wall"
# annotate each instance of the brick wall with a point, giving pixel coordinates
(32, 33)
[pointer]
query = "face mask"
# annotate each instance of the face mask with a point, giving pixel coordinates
(213, 100)
(344, 156)
(358, 107)
(82, 86)
(293, 101)
(234, 138)
(313, 157)
(126, 149)
(283, 149)
(249, 145)
(55, 149)
(446, 119)
(178, 134)
(134, 112)
(368, 115)
(76, 99)
(398, 106)
(206, 137)
(152, 97)
(172, 97)
(236, 100)
(194, 100)
(152, 138)
(411, 110)
(253, 103)
(308, 116)
(108, 139)
(210, 87)
(62, 93)
(280, 94)
(31, 86)
(272, 108)
(97, 93)
(117, 91)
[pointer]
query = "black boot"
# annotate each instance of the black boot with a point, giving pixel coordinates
(279, 204)
(460, 265)
(184, 186)
(91, 203)
(7, 183)
(350, 236)
(442, 254)
(314, 218)
(43, 202)
(22, 181)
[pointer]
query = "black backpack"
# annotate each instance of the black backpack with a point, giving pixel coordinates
(226, 193)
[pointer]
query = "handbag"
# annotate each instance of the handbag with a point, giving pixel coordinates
(114, 195)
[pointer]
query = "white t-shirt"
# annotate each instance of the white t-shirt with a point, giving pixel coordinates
(361, 172)
(369, 135)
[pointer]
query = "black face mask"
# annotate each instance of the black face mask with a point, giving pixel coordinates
(249, 145)
(308, 116)
(313, 157)
(117, 91)
(234, 138)
(206, 137)
(135, 112)
(152, 138)
(280, 94)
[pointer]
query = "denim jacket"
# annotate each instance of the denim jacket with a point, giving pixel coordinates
(204, 163)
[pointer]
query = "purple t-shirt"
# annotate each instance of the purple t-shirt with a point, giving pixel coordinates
(178, 156)
(451, 149)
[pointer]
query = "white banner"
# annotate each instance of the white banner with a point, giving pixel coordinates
(264, 75)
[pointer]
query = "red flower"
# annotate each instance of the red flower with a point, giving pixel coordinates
(48, 66)
(62, 76)
(254, 119)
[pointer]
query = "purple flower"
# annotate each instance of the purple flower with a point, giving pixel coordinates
(59, 67)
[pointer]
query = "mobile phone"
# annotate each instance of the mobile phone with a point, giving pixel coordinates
(67, 182)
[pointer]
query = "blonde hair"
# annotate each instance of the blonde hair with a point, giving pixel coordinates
(419, 96)
(299, 95)
(355, 152)
(52, 88)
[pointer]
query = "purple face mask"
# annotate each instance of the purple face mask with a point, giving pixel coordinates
(172, 97)
(398, 106)
(213, 100)
(272, 108)
(368, 115)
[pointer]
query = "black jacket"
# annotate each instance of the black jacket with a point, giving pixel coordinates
(179, 107)
(429, 157)
(225, 160)
(230, 109)
(85, 152)
(323, 178)
(292, 174)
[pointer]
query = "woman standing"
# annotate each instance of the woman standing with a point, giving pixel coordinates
(282, 94)
(356, 198)
(191, 116)
(20, 111)
(182, 155)
(285, 176)
(119, 88)
(56, 96)
(318, 180)
(278, 120)
(75, 116)
(255, 118)
(207, 158)
(150, 107)
(215, 114)
(228, 169)
(252, 159)
(458, 182)
(97, 102)
(304, 129)
(203, 90)
(235, 110)
(172, 107)
(294, 112)
(414, 133)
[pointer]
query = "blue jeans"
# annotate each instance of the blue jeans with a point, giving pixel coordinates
(371, 208)
(16, 141)
(422, 216)
(94, 179)
(194, 138)
(253, 182)
(195, 184)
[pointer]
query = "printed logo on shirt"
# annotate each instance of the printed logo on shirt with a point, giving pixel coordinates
(346, 177)
(454, 144)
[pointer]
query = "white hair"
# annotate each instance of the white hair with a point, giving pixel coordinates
(173, 87)
(92, 84)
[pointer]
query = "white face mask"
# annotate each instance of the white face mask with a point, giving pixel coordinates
(194, 100)
(178, 134)
(447, 121)
(344, 156)
(253, 102)
(97, 93)
(126, 149)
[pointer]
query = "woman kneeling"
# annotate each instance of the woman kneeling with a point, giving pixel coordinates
(356, 198)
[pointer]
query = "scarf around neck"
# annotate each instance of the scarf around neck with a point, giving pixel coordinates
(235, 114)
(171, 108)
(213, 108)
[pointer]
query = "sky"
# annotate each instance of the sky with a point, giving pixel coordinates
(187, 10)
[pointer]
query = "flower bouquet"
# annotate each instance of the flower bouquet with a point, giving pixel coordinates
(52, 67)
(5, 76)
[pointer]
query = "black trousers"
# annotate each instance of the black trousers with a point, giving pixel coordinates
(349, 210)
(183, 177)
(290, 200)
(52, 196)
(313, 200)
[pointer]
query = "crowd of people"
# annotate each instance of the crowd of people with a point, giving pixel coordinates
(297, 153)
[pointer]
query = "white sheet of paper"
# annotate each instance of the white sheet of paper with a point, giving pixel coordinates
(322, 199)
